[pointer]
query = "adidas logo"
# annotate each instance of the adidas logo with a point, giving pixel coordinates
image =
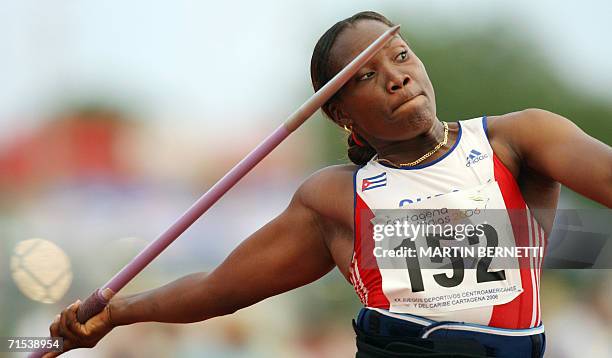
(474, 157)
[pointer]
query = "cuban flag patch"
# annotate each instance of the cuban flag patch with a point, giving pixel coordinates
(374, 182)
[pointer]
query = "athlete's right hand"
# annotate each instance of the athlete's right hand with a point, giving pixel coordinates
(77, 335)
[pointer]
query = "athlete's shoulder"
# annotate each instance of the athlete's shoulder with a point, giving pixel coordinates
(513, 136)
(524, 122)
(328, 187)
(520, 130)
(330, 178)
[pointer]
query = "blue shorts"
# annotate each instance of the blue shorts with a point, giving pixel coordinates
(383, 334)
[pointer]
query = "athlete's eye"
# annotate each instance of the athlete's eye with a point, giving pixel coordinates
(402, 56)
(366, 76)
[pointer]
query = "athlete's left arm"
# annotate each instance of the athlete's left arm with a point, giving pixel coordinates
(555, 147)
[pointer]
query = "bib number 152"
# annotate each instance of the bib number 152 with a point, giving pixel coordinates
(457, 263)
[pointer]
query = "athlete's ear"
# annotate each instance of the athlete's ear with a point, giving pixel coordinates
(338, 115)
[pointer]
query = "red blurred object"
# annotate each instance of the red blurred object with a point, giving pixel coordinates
(80, 145)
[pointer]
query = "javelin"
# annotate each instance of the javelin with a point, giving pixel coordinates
(96, 302)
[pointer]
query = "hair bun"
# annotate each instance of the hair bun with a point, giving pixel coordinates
(359, 154)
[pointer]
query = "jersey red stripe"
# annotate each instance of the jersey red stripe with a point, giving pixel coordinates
(515, 314)
(366, 262)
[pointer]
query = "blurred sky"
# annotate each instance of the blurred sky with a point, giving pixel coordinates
(230, 63)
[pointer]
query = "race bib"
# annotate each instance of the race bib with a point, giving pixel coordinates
(444, 254)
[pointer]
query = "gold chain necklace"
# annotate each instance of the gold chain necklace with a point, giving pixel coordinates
(427, 155)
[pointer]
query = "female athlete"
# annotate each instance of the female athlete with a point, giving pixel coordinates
(402, 154)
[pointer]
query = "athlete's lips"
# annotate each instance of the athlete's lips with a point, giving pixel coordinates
(405, 100)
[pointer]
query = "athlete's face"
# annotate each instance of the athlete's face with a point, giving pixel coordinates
(391, 98)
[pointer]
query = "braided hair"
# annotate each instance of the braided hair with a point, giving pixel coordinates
(359, 152)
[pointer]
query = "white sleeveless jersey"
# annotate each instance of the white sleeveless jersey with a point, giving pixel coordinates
(468, 171)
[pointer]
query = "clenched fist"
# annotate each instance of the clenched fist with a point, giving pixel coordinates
(77, 335)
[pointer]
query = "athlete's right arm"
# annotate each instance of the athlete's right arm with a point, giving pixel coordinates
(288, 252)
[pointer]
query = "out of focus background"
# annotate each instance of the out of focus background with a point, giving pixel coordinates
(116, 115)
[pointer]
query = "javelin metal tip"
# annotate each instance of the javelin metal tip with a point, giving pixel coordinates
(395, 29)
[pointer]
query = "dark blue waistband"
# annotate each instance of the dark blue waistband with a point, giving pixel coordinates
(383, 327)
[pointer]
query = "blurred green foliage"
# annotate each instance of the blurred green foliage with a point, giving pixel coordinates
(493, 71)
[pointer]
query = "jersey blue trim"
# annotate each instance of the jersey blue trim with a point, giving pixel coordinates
(354, 213)
(484, 126)
(435, 161)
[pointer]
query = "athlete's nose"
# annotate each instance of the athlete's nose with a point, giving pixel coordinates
(397, 81)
